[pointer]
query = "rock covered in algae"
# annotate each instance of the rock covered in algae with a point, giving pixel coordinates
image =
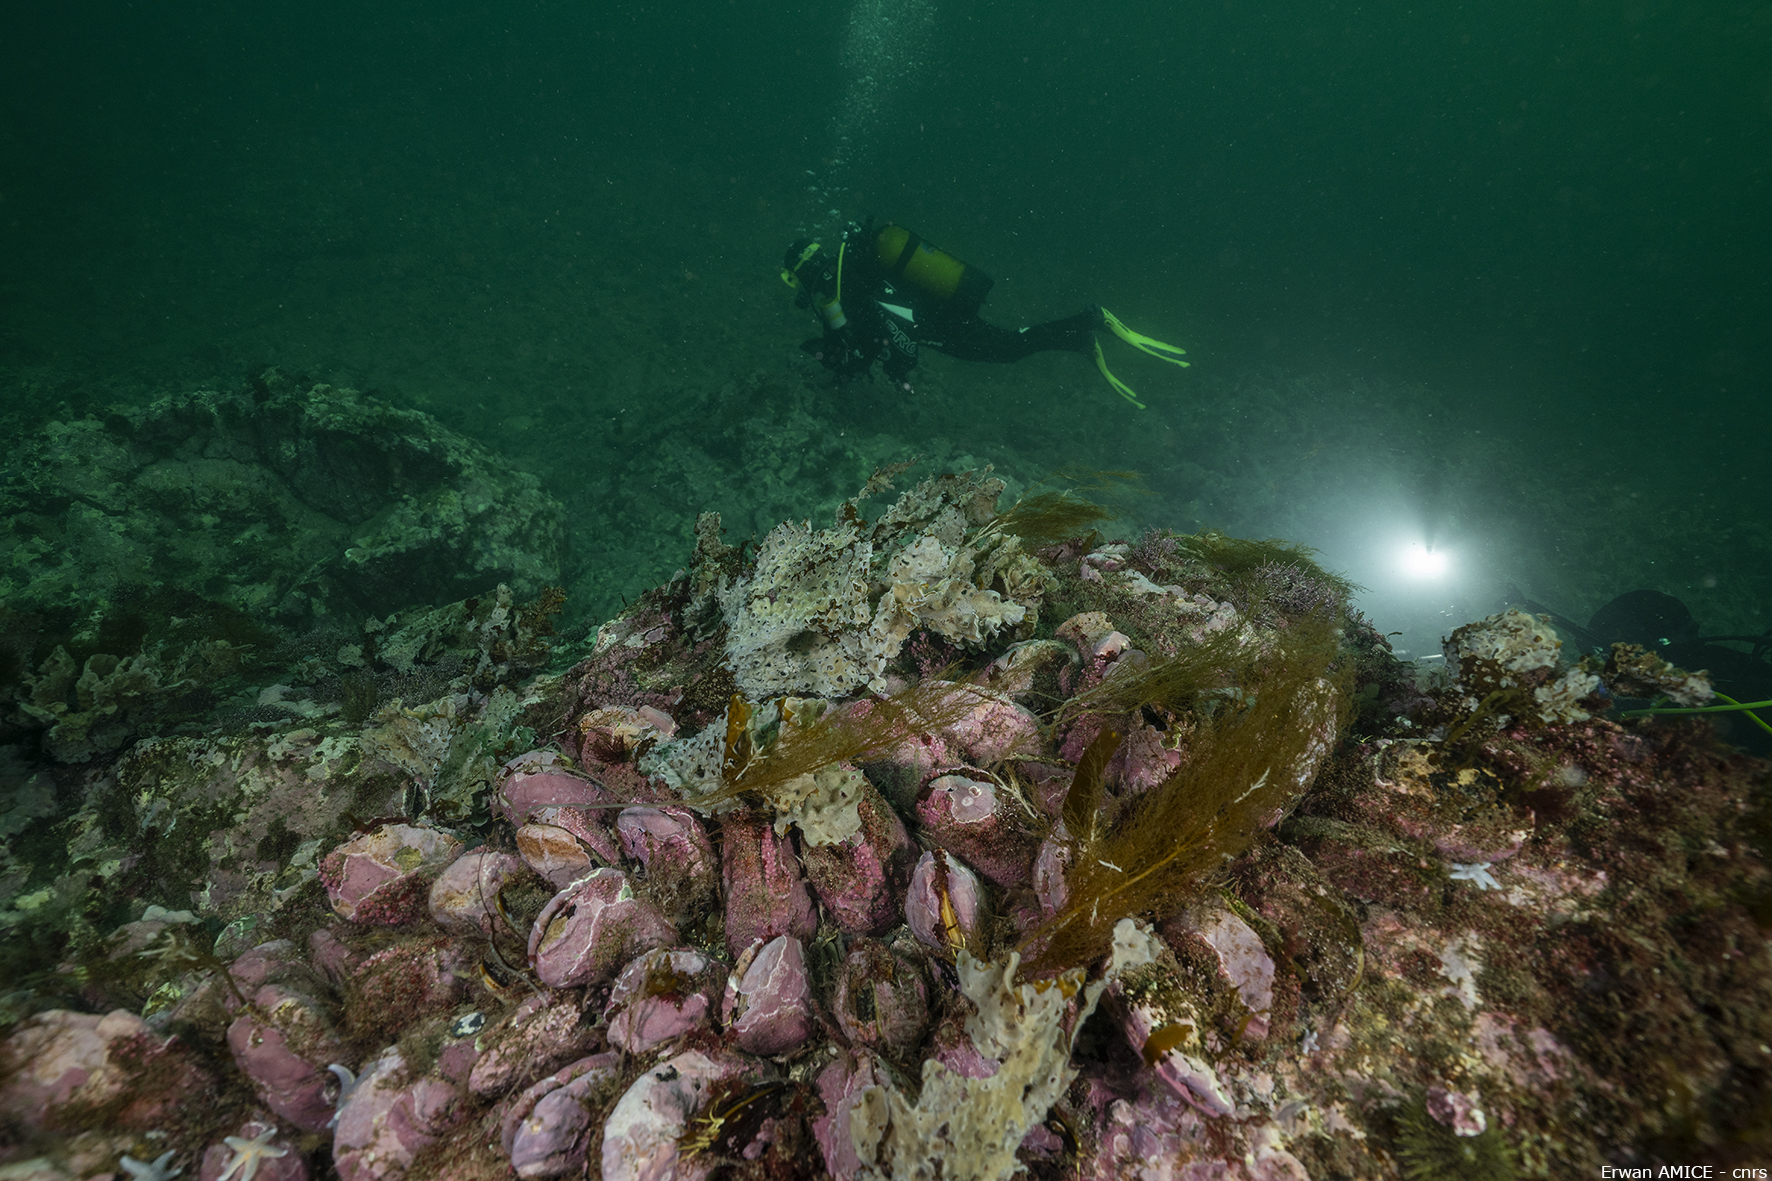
(384, 876)
(662, 995)
(295, 502)
(593, 927)
(1407, 954)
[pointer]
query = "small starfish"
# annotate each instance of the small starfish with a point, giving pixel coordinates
(1477, 872)
(158, 1170)
(249, 1153)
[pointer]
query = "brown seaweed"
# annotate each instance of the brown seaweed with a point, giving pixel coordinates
(1053, 515)
(1241, 764)
(816, 737)
(1173, 683)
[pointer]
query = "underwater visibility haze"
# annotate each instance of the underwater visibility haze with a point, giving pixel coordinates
(493, 678)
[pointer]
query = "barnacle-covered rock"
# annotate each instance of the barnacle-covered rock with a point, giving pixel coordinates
(987, 824)
(57, 1058)
(412, 979)
(593, 927)
(1243, 961)
(382, 876)
(546, 1030)
(554, 853)
(766, 894)
(1469, 937)
(945, 904)
(1160, 1020)
(461, 899)
(861, 878)
(389, 1116)
(882, 997)
(541, 779)
(682, 869)
(643, 1134)
(663, 994)
(849, 1074)
(547, 1129)
(283, 1044)
(768, 1003)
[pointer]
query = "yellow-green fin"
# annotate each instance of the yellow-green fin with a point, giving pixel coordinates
(1143, 343)
(1120, 387)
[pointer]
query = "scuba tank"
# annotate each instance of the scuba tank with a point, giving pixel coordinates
(948, 284)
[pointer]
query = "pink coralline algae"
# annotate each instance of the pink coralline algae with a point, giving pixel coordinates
(461, 899)
(554, 853)
(768, 1002)
(987, 825)
(283, 1045)
(643, 1135)
(766, 894)
(944, 906)
(682, 869)
(592, 928)
(57, 1058)
(391, 1116)
(662, 995)
(882, 998)
(838, 1085)
(546, 1031)
(860, 878)
(548, 1128)
(381, 876)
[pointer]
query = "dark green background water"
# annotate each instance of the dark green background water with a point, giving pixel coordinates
(1499, 267)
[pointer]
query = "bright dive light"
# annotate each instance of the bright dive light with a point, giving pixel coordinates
(1421, 562)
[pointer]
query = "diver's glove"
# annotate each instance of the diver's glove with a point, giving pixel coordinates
(838, 352)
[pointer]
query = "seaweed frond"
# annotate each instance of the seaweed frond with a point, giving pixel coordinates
(1082, 803)
(1047, 516)
(812, 737)
(1242, 764)
(1240, 555)
(1176, 682)
(1281, 573)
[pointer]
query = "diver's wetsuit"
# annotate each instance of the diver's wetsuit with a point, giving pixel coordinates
(887, 321)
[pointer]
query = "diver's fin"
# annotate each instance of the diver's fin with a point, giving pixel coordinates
(1120, 387)
(1143, 343)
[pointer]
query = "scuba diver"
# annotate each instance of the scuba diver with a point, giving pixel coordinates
(1660, 623)
(883, 292)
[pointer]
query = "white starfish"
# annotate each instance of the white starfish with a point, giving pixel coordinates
(249, 1153)
(155, 1171)
(1477, 872)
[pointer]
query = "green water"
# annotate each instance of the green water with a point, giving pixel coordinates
(1494, 270)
